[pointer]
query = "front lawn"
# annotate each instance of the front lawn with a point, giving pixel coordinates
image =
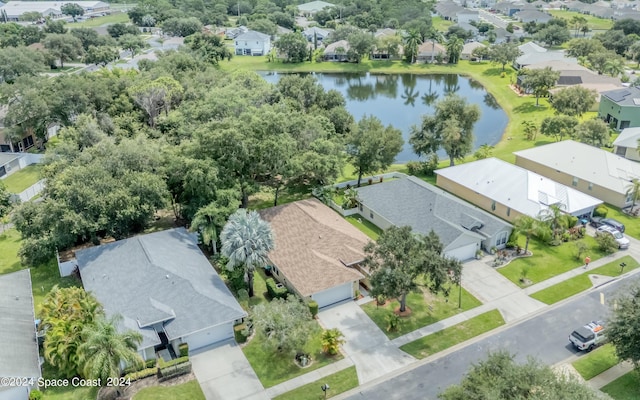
(596, 362)
(548, 261)
(65, 392)
(274, 368)
(582, 282)
(627, 387)
(266, 196)
(593, 22)
(186, 391)
(22, 179)
(114, 18)
(423, 313)
(364, 225)
(453, 335)
(338, 383)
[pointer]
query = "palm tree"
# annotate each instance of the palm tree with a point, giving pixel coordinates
(105, 349)
(633, 190)
(578, 22)
(614, 66)
(555, 218)
(529, 227)
(411, 43)
(246, 241)
(454, 48)
(210, 219)
(435, 36)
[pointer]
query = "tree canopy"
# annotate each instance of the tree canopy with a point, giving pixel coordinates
(623, 327)
(573, 100)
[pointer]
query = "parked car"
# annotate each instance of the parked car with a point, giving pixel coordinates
(623, 242)
(614, 224)
(589, 336)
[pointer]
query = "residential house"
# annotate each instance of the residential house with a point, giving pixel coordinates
(509, 9)
(533, 16)
(600, 12)
(627, 143)
(13, 162)
(252, 43)
(428, 51)
(467, 16)
(533, 54)
(15, 9)
(468, 48)
(463, 229)
(469, 28)
(381, 53)
(314, 33)
(626, 14)
(164, 288)
(621, 107)
(599, 173)
(310, 9)
(502, 36)
(337, 51)
(576, 6)
(19, 351)
(448, 10)
(539, 4)
(623, 4)
(317, 252)
(235, 32)
(508, 191)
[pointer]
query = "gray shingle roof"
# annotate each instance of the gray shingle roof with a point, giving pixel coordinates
(253, 35)
(624, 97)
(158, 277)
(6, 158)
(413, 202)
(18, 349)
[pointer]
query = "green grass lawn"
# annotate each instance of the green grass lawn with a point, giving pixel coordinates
(338, 383)
(627, 387)
(441, 24)
(98, 21)
(186, 391)
(22, 179)
(631, 224)
(260, 294)
(596, 362)
(265, 197)
(65, 392)
(273, 368)
(593, 22)
(421, 315)
(548, 261)
(453, 335)
(579, 283)
(364, 225)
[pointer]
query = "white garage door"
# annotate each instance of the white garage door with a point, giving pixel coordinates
(209, 336)
(463, 253)
(334, 295)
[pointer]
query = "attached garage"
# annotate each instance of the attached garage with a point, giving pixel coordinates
(334, 295)
(463, 253)
(209, 336)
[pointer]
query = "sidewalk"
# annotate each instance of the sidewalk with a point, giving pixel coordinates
(610, 375)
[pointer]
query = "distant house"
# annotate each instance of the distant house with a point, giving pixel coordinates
(533, 54)
(429, 50)
(508, 191)
(627, 143)
(468, 48)
(337, 51)
(621, 107)
(599, 173)
(252, 43)
(164, 288)
(235, 32)
(315, 33)
(469, 28)
(533, 16)
(626, 14)
(509, 9)
(19, 351)
(467, 16)
(15, 9)
(576, 6)
(381, 53)
(463, 229)
(317, 252)
(448, 10)
(600, 12)
(310, 9)
(502, 36)
(13, 162)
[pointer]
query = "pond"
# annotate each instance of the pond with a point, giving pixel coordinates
(401, 99)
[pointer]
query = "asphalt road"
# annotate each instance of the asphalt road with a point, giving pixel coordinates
(544, 337)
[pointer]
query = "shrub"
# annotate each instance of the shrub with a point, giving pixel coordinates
(581, 248)
(430, 165)
(184, 349)
(240, 333)
(331, 341)
(607, 243)
(600, 211)
(35, 394)
(174, 370)
(573, 221)
(274, 291)
(414, 167)
(313, 308)
(393, 322)
(136, 368)
(145, 373)
(566, 236)
(243, 298)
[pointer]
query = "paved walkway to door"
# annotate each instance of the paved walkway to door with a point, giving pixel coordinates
(224, 373)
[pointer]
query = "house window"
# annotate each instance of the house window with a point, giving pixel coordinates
(502, 238)
(237, 43)
(590, 186)
(493, 206)
(508, 211)
(360, 206)
(371, 214)
(575, 181)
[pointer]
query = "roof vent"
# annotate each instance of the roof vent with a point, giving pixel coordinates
(636, 101)
(17, 298)
(167, 276)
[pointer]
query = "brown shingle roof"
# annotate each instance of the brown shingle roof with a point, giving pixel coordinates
(312, 245)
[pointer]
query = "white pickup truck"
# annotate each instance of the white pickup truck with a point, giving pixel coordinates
(589, 336)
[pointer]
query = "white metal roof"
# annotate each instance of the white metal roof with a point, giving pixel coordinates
(17, 8)
(628, 138)
(524, 191)
(585, 162)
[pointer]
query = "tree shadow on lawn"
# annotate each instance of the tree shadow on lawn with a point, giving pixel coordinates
(497, 71)
(530, 107)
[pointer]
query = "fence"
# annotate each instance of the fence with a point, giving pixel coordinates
(29, 193)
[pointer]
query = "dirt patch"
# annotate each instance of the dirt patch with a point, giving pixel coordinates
(405, 313)
(127, 393)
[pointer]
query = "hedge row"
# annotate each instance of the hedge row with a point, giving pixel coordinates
(145, 373)
(275, 292)
(147, 364)
(174, 370)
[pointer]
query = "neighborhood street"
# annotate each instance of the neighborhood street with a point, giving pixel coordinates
(543, 336)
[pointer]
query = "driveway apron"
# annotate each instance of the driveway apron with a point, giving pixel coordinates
(224, 373)
(367, 346)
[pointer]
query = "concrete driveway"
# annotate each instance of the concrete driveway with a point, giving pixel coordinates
(367, 346)
(225, 374)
